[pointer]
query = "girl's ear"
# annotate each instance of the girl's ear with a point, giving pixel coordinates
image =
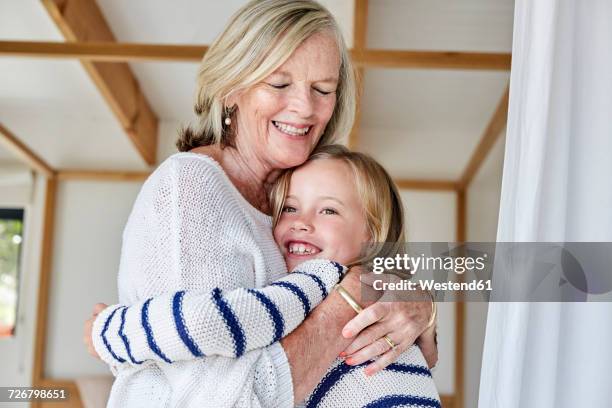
(368, 234)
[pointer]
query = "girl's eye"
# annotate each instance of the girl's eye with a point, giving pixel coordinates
(329, 211)
(289, 209)
(279, 86)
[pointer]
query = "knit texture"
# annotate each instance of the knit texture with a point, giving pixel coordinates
(202, 282)
(405, 383)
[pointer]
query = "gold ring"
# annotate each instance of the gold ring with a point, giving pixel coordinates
(390, 342)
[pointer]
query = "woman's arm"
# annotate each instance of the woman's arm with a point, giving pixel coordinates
(319, 340)
(185, 325)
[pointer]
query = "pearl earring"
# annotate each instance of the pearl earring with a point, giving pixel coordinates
(228, 115)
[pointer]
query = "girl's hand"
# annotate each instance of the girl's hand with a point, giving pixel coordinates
(401, 321)
(88, 329)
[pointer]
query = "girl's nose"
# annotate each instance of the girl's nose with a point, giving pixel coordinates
(300, 225)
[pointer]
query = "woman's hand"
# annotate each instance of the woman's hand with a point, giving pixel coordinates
(87, 330)
(401, 321)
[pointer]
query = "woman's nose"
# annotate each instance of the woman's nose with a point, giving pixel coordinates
(302, 103)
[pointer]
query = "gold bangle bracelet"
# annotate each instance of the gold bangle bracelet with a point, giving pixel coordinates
(348, 298)
(434, 312)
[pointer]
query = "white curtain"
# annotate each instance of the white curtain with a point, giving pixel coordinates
(557, 186)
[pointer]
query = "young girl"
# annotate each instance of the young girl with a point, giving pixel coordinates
(328, 208)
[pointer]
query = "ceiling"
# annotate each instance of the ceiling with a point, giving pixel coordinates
(418, 123)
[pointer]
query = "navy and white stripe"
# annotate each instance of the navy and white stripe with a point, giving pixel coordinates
(335, 375)
(231, 321)
(126, 342)
(184, 325)
(105, 340)
(275, 314)
(403, 401)
(177, 304)
(297, 291)
(339, 268)
(317, 280)
(144, 316)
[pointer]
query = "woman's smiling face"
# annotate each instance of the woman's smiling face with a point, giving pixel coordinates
(281, 119)
(323, 216)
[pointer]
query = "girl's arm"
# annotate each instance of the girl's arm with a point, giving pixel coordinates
(185, 325)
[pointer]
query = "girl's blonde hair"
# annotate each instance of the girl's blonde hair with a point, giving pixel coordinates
(381, 201)
(259, 38)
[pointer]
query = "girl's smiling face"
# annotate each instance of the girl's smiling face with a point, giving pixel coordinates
(323, 215)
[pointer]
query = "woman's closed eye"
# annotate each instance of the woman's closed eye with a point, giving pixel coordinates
(278, 86)
(283, 86)
(323, 92)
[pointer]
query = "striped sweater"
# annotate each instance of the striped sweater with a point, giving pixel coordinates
(205, 298)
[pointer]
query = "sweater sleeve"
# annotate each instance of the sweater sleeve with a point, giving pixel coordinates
(184, 325)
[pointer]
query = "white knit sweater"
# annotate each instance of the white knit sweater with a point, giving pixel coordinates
(201, 283)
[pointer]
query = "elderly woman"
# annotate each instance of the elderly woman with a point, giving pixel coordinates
(277, 83)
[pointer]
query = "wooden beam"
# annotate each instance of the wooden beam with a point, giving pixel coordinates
(461, 209)
(44, 281)
(23, 152)
(459, 399)
(360, 25)
(82, 20)
(101, 50)
(104, 51)
(447, 400)
(415, 184)
(461, 236)
(492, 132)
(432, 59)
(98, 175)
(360, 29)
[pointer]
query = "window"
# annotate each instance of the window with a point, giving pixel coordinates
(11, 236)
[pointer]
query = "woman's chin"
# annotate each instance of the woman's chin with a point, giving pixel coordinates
(292, 157)
(293, 151)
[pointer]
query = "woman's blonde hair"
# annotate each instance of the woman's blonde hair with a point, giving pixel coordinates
(259, 38)
(381, 201)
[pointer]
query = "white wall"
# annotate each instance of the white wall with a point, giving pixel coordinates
(90, 217)
(482, 214)
(430, 217)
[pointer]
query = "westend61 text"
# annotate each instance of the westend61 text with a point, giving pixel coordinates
(405, 284)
